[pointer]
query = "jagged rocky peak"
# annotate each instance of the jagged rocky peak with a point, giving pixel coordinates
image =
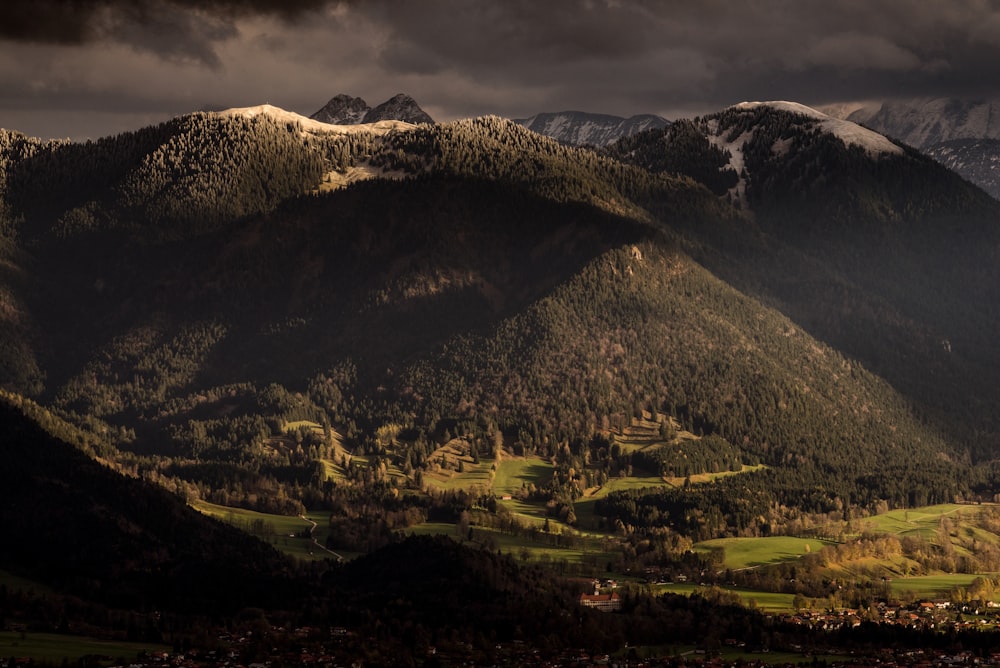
(400, 107)
(579, 128)
(342, 110)
(346, 110)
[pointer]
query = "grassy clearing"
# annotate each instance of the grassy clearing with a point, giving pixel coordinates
(931, 586)
(703, 478)
(282, 531)
(591, 552)
(12, 581)
(53, 647)
(618, 484)
(752, 552)
(295, 424)
(513, 472)
(763, 600)
(473, 476)
(921, 522)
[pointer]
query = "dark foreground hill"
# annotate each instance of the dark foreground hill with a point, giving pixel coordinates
(82, 529)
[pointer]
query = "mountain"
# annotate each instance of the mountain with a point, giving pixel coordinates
(925, 122)
(837, 222)
(346, 110)
(222, 285)
(961, 134)
(398, 325)
(400, 107)
(342, 110)
(579, 128)
(977, 160)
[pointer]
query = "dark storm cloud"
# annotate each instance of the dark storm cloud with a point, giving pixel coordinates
(721, 50)
(184, 29)
(472, 57)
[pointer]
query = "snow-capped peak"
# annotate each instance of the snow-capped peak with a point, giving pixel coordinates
(848, 132)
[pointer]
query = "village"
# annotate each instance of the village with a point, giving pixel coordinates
(340, 646)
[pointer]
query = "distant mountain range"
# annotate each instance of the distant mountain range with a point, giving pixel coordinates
(963, 135)
(926, 122)
(578, 128)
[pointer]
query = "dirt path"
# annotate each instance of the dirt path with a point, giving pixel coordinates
(316, 542)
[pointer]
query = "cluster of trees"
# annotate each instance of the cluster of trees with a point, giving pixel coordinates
(180, 178)
(682, 148)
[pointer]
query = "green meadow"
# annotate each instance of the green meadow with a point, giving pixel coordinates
(762, 600)
(513, 472)
(931, 586)
(284, 532)
(751, 552)
(921, 522)
(591, 551)
(12, 581)
(55, 648)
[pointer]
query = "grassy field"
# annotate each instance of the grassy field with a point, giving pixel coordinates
(12, 581)
(703, 478)
(474, 475)
(751, 552)
(513, 472)
(281, 531)
(587, 550)
(54, 648)
(931, 586)
(920, 521)
(762, 600)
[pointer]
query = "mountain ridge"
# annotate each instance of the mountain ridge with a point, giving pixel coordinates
(579, 128)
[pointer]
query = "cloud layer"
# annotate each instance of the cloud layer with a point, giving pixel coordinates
(139, 58)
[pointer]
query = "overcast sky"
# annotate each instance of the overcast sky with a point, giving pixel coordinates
(88, 68)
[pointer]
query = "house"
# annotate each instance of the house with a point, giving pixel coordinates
(603, 602)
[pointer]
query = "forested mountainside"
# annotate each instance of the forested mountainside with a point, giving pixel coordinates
(747, 285)
(964, 135)
(839, 240)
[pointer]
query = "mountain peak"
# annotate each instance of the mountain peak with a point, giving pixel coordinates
(346, 110)
(850, 133)
(342, 110)
(400, 107)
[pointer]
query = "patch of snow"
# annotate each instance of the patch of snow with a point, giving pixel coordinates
(848, 132)
(736, 161)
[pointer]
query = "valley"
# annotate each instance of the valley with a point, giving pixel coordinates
(430, 406)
